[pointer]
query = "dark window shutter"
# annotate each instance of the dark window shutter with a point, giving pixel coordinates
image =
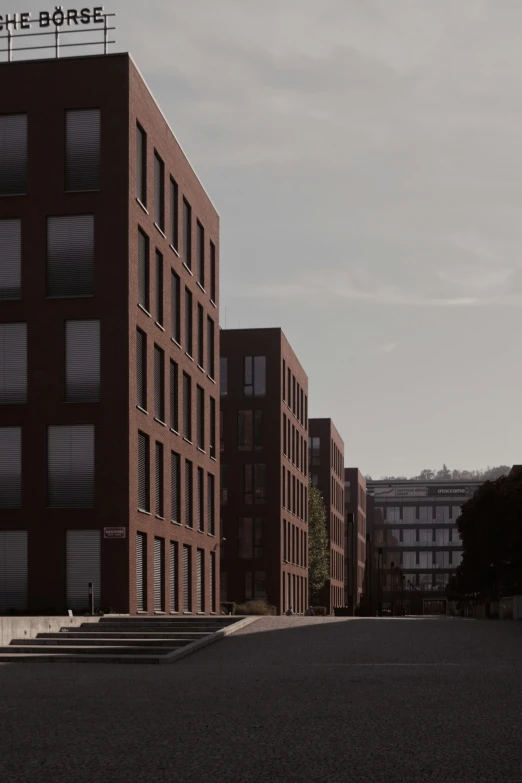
(212, 581)
(201, 359)
(71, 466)
(210, 504)
(212, 427)
(13, 571)
(175, 480)
(13, 154)
(200, 252)
(187, 234)
(82, 150)
(82, 347)
(210, 347)
(141, 369)
(141, 165)
(159, 574)
(212, 272)
(143, 270)
(174, 396)
(70, 256)
(200, 415)
(175, 307)
(141, 572)
(187, 407)
(188, 322)
(143, 472)
(173, 577)
(11, 259)
(159, 384)
(159, 479)
(159, 288)
(187, 579)
(200, 583)
(13, 364)
(159, 192)
(188, 493)
(200, 509)
(174, 213)
(10, 467)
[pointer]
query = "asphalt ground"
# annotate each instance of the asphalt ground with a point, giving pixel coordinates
(286, 699)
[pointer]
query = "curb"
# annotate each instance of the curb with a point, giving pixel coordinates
(198, 644)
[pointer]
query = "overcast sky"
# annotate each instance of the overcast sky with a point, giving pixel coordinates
(365, 157)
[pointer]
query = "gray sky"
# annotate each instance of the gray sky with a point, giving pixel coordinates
(365, 158)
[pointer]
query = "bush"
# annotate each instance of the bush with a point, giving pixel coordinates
(255, 607)
(227, 607)
(319, 611)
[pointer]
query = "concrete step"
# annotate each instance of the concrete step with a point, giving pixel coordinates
(76, 657)
(151, 635)
(68, 640)
(93, 628)
(24, 649)
(177, 618)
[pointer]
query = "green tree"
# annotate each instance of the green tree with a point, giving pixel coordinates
(444, 473)
(318, 546)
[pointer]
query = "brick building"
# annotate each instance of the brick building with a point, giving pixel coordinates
(109, 339)
(355, 534)
(326, 461)
(264, 492)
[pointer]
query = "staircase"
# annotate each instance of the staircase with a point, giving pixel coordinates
(123, 640)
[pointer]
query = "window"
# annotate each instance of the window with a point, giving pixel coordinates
(175, 305)
(13, 154)
(293, 395)
(409, 537)
(200, 252)
(13, 364)
(188, 322)
(247, 483)
(187, 578)
(442, 514)
(212, 581)
(315, 451)
(212, 428)
(425, 514)
(223, 379)
(143, 270)
(283, 486)
(212, 272)
(174, 213)
(159, 480)
(259, 483)
(159, 192)
(284, 380)
(221, 432)
(244, 430)
(70, 462)
(409, 514)
(409, 560)
(442, 560)
(284, 435)
(200, 580)
(159, 384)
(211, 504)
(143, 472)
(174, 397)
(223, 484)
(425, 536)
(455, 510)
(175, 487)
(70, 256)
(188, 494)
(200, 417)
(393, 514)
(173, 577)
(201, 500)
(258, 430)
(289, 386)
(82, 351)
(255, 376)
(11, 255)
(210, 347)
(141, 165)
(442, 536)
(200, 336)
(141, 369)
(159, 288)
(187, 234)
(82, 149)
(249, 538)
(187, 406)
(10, 467)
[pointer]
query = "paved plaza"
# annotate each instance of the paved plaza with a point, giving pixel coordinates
(286, 699)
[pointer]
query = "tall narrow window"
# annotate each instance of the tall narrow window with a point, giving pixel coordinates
(13, 154)
(141, 369)
(210, 347)
(13, 363)
(70, 256)
(245, 430)
(11, 255)
(201, 501)
(159, 575)
(259, 483)
(173, 577)
(10, 467)
(223, 380)
(175, 305)
(187, 406)
(200, 417)
(159, 288)
(174, 396)
(255, 376)
(187, 234)
(200, 252)
(187, 578)
(159, 384)
(175, 487)
(201, 320)
(143, 270)
(212, 581)
(141, 165)
(189, 514)
(211, 504)
(212, 272)
(159, 480)
(188, 322)
(159, 192)
(212, 428)
(70, 464)
(82, 361)
(174, 213)
(247, 483)
(284, 380)
(284, 435)
(143, 472)
(289, 387)
(258, 430)
(82, 149)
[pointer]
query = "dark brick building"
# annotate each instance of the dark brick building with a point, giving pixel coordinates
(109, 340)
(264, 492)
(355, 534)
(326, 461)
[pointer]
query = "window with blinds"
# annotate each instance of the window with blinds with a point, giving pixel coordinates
(141, 165)
(187, 234)
(141, 369)
(187, 578)
(159, 480)
(188, 322)
(143, 472)
(143, 270)
(159, 191)
(82, 361)
(189, 512)
(173, 213)
(70, 465)
(175, 488)
(159, 384)
(13, 571)
(201, 501)
(141, 572)
(200, 580)
(82, 149)
(201, 360)
(70, 256)
(159, 288)
(212, 581)
(13, 364)
(174, 396)
(175, 308)
(173, 577)
(200, 417)
(200, 252)
(13, 154)
(212, 272)
(159, 574)
(211, 504)
(212, 428)
(187, 406)
(210, 347)
(10, 467)
(11, 257)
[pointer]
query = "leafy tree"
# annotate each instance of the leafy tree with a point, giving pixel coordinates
(444, 473)
(426, 475)
(318, 546)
